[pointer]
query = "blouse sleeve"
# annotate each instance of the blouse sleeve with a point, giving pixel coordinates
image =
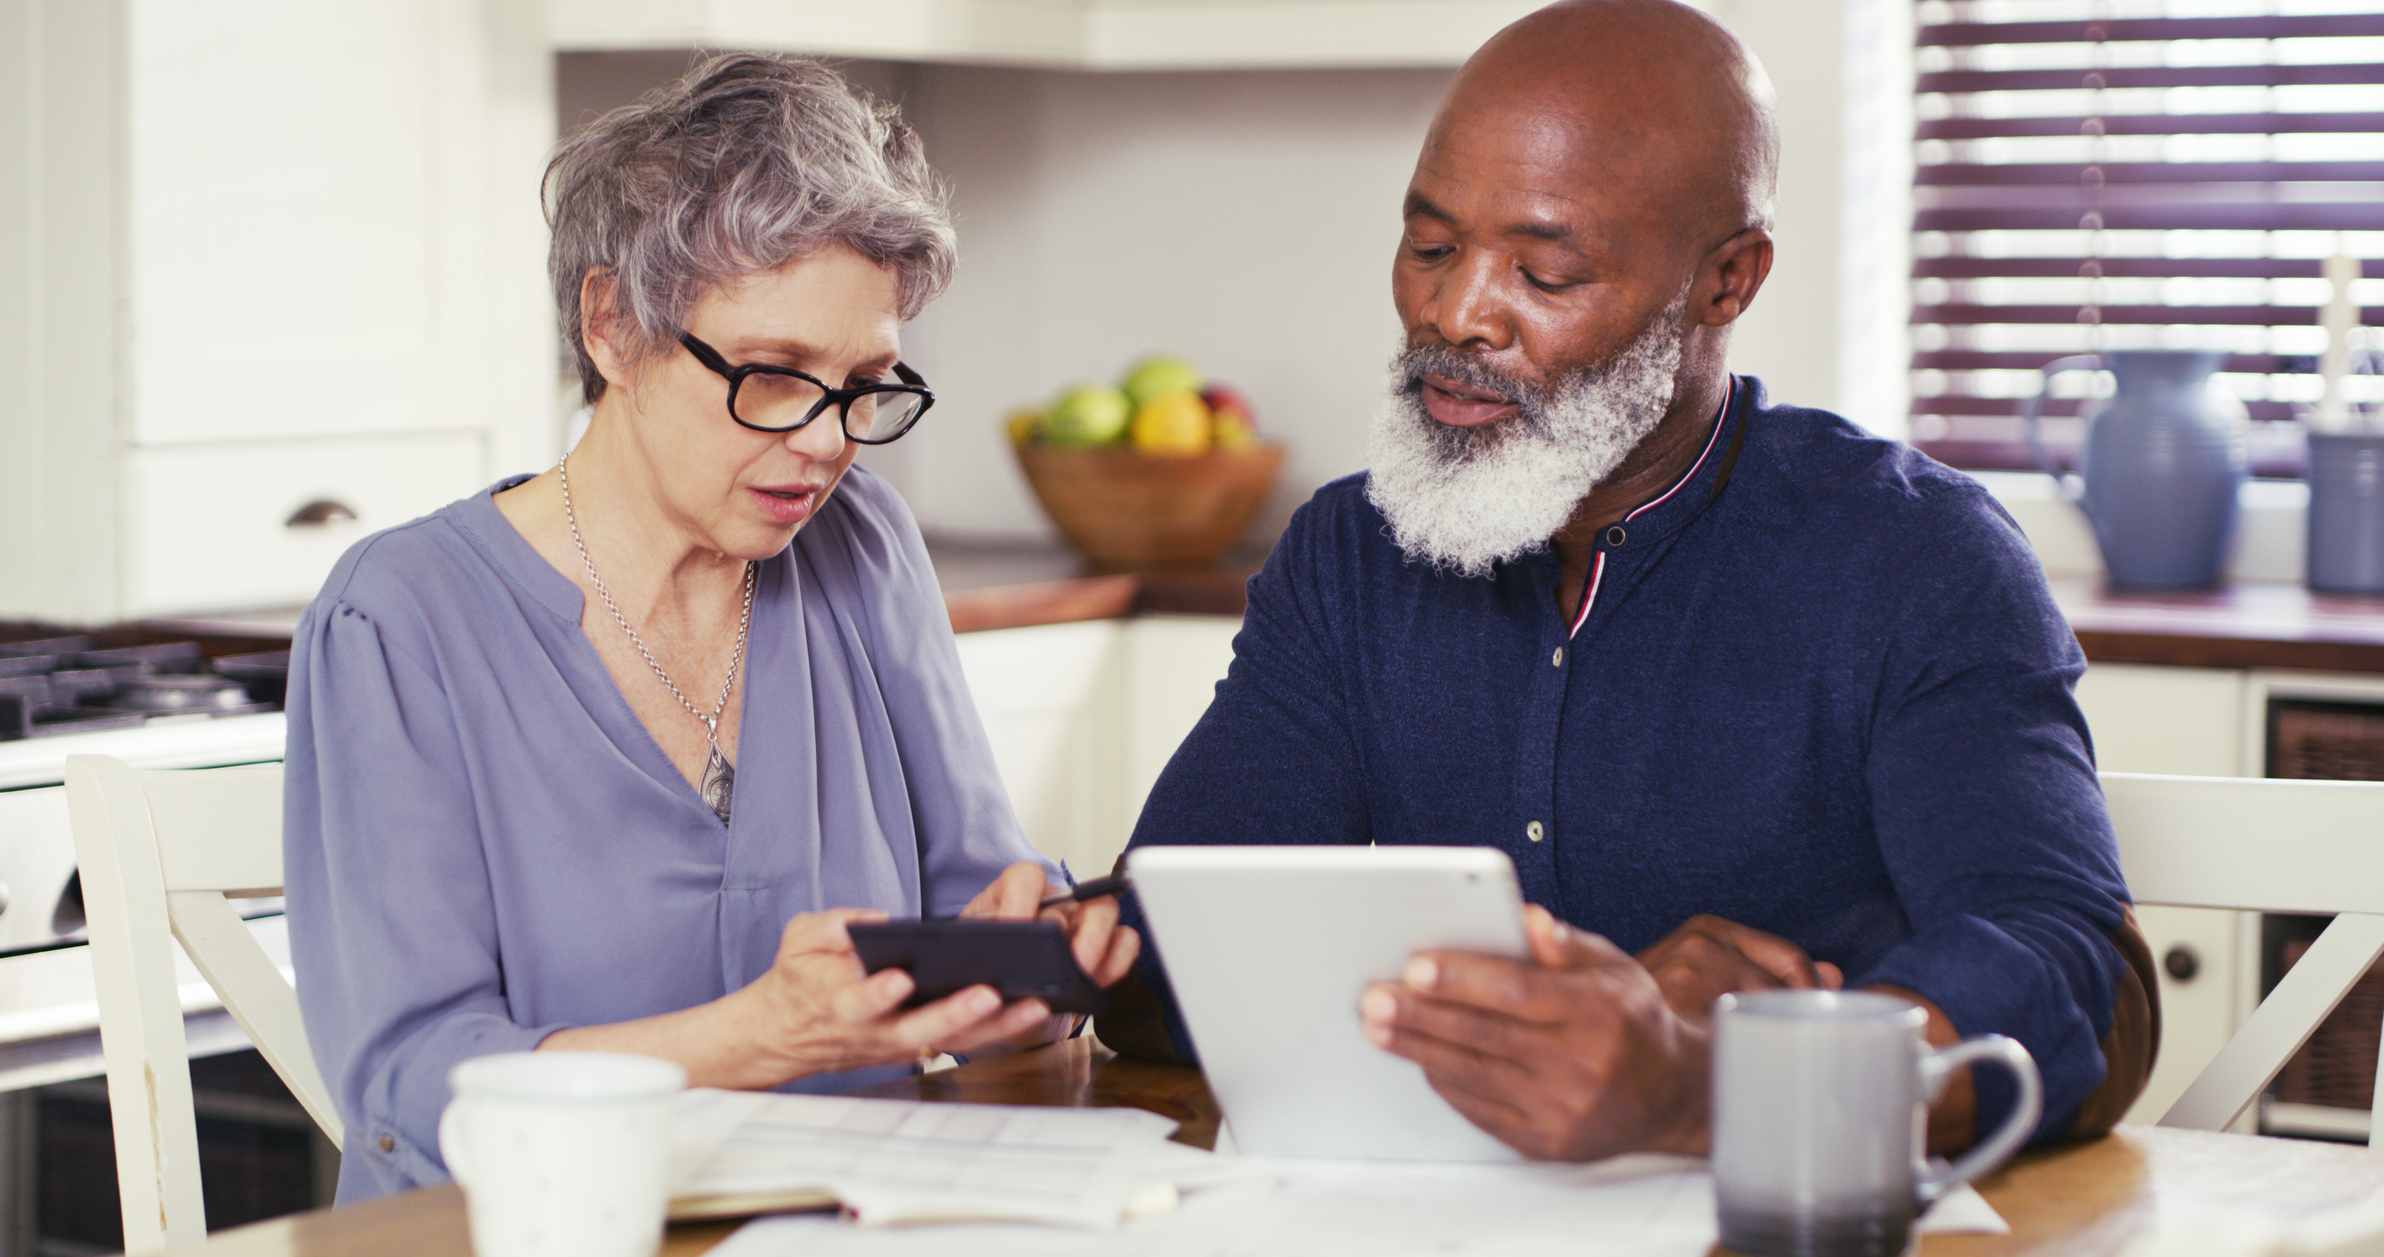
(393, 925)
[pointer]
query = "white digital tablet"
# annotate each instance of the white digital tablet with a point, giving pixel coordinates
(1269, 948)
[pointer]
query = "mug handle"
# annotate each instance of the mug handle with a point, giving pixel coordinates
(452, 1139)
(2034, 407)
(1996, 1049)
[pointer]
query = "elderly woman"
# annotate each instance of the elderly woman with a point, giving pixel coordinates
(608, 757)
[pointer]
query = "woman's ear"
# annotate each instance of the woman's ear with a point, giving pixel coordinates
(600, 329)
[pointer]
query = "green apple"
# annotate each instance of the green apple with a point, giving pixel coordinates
(1088, 414)
(1158, 376)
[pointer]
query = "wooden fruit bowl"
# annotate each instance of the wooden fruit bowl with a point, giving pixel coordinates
(1130, 511)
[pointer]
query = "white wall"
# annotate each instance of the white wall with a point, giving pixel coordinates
(1247, 219)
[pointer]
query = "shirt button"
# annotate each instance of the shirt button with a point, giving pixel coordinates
(1534, 832)
(386, 1144)
(1558, 661)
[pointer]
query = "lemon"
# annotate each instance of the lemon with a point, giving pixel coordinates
(1022, 424)
(1233, 431)
(1173, 425)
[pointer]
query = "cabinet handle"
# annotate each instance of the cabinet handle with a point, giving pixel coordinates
(321, 513)
(2182, 963)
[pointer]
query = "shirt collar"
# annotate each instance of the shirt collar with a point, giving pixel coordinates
(1697, 488)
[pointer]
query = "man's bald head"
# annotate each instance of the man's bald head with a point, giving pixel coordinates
(1589, 215)
(1649, 96)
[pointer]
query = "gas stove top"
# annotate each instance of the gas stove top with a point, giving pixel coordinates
(152, 703)
(55, 686)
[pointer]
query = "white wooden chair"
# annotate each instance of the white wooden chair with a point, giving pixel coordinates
(161, 855)
(2261, 845)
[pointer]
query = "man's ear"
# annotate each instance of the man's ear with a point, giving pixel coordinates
(600, 325)
(1735, 271)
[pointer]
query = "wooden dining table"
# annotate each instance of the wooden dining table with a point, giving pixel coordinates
(2088, 1198)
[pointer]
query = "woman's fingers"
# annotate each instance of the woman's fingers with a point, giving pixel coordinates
(871, 998)
(1090, 932)
(946, 1022)
(1124, 947)
(1011, 896)
(1014, 1023)
(823, 931)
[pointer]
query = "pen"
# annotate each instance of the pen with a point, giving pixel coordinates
(1093, 889)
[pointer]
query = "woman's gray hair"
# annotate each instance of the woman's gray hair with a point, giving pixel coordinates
(743, 165)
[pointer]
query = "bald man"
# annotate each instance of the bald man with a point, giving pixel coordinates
(1751, 697)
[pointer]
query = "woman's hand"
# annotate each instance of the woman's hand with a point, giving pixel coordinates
(1104, 949)
(821, 1011)
(816, 1010)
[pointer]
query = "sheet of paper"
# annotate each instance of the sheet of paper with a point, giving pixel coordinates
(1629, 1207)
(1960, 1210)
(905, 1161)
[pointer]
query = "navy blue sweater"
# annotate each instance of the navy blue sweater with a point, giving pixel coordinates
(1830, 701)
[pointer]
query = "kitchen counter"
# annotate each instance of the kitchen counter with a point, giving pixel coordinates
(996, 585)
(987, 585)
(2242, 625)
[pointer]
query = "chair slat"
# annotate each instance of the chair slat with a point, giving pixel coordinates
(2250, 843)
(256, 994)
(2280, 1025)
(217, 828)
(140, 1009)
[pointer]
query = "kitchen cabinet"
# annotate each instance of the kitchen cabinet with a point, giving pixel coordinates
(2185, 722)
(2199, 721)
(1084, 716)
(271, 253)
(1065, 34)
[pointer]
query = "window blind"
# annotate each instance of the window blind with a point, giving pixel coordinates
(2137, 174)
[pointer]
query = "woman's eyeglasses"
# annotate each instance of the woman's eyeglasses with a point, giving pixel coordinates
(782, 399)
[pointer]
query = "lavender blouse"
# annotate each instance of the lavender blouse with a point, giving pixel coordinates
(483, 845)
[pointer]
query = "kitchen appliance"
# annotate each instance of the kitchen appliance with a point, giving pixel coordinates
(157, 698)
(156, 703)
(2163, 461)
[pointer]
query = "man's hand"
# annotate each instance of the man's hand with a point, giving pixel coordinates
(1708, 957)
(1571, 1055)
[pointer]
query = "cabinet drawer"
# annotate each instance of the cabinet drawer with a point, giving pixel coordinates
(207, 527)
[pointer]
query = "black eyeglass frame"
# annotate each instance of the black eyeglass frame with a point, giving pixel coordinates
(841, 398)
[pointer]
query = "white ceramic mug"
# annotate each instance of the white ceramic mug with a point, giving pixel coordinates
(1820, 1104)
(561, 1154)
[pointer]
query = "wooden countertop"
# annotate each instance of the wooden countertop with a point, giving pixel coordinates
(994, 585)
(990, 585)
(987, 585)
(2234, 626)
(2089, 1199)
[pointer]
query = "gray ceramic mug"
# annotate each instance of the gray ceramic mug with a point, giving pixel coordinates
(1820, 1103)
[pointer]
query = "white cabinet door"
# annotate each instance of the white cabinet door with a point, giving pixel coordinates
(208, 526)
(1083, 716)
(1175, 663)
(1052, 698)
(2187, 722)
(310, 233)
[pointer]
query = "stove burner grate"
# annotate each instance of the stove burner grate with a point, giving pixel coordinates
(61, 685)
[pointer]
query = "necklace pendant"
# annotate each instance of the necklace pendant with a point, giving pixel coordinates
(719, 784)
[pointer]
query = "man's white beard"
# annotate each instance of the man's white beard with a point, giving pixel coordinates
(1466, 499)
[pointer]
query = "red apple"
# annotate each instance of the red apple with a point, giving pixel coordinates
(1224, 397)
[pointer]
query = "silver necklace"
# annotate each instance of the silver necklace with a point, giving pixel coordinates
(719, 781)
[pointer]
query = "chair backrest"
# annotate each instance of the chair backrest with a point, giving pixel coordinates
(160, 856)
(2264, 845)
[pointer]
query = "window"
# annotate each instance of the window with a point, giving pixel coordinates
(2137, 174)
